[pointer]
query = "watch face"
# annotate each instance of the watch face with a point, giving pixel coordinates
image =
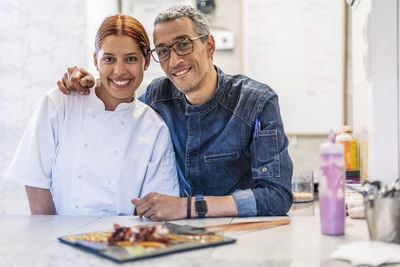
(200, 206)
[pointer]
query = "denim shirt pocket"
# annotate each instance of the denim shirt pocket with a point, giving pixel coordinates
(231, 156)
(266, 155)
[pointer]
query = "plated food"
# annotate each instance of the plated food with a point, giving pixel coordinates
(143, 241)
(147, 235)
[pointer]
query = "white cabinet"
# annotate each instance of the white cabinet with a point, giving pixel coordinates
(376, 86)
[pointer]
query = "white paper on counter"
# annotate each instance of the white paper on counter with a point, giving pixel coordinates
(371, 253)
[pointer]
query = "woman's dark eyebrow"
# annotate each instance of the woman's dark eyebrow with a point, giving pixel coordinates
(127, 54)
(131, 54)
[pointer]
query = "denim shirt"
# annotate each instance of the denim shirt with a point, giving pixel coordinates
(217, 150)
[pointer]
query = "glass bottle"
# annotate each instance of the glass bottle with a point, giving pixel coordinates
(345, 139)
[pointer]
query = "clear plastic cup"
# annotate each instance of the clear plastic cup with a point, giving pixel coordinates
(303, 186)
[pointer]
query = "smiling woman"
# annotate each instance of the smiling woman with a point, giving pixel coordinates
(120, 64)
(122, 54)
(90, 155)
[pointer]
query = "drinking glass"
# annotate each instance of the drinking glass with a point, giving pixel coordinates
(303, 186)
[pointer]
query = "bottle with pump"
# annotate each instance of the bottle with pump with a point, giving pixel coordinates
(345, 139)
(331, 187)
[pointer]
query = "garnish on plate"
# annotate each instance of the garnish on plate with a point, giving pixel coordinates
(147, 235)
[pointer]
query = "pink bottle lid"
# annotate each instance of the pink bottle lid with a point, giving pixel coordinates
(330, 147)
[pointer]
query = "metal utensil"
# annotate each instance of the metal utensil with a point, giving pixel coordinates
(211, 229)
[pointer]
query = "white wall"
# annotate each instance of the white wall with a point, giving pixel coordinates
(38, 40)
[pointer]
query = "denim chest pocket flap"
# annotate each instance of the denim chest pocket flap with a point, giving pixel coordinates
(266, 154)
(228, 156)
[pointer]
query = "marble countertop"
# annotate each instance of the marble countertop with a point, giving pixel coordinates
(32, 241)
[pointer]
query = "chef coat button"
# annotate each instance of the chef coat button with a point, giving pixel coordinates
(86, 145)
(264, 169)
(76, 207)
(108, 183)
(80, 177)
(115, 152)
(122, 123)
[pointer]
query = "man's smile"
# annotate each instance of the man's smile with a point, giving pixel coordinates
(181, 72)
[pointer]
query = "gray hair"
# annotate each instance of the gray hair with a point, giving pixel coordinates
(200, 22)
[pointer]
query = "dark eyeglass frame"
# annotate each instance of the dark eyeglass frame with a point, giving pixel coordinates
(179, 53)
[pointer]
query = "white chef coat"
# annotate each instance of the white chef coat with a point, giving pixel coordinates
(95, 161)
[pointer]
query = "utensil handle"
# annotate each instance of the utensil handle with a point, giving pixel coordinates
(242, 226)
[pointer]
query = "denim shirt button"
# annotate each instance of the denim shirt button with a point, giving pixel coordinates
(264, 169)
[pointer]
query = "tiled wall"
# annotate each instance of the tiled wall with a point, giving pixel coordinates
(38, 40)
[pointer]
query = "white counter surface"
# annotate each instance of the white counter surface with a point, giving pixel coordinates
(32, 241)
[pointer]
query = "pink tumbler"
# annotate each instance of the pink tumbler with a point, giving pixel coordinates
(331, 187)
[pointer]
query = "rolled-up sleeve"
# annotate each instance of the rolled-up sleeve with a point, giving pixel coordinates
(245, 202)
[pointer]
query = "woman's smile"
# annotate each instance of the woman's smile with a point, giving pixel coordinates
(120, 83)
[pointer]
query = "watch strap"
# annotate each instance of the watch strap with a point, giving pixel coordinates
(189, 207)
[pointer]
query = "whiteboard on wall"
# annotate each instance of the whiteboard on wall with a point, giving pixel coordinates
(297, 48)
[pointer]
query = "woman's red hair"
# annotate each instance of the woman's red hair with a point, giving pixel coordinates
(123, 25)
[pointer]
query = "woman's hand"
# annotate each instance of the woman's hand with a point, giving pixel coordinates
(76, 78)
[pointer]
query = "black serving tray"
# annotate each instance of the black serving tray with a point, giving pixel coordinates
(122, 254)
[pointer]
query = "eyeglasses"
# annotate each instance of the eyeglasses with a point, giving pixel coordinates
(181, 48)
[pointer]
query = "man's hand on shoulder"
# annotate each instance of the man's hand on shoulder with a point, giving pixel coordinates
(159, 207)
(76, 78)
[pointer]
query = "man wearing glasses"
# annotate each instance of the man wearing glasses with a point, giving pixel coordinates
(227, 131)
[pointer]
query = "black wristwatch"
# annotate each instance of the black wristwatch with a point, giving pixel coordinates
(200, 206)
